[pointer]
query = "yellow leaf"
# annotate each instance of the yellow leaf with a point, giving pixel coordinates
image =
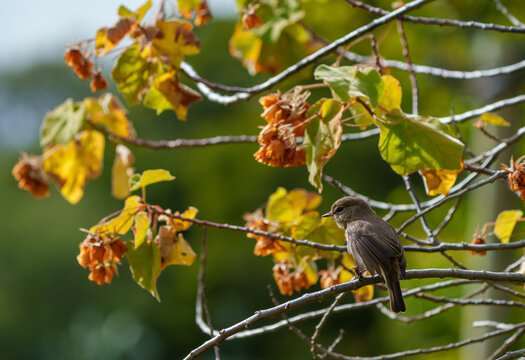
(180, 225)
(141, 228)
(312, 275)
(109, 112)
(391, 97)
(122, 223)
(364, 293)
(109, 37)
(72, 165)
(494, 119)
(178, 95)
(439, 181)
(175, 41)
(247, 46)
(505, 223)
(149, 177)
(174, 249)
(121, 172)
(286, 206)
(348, 262)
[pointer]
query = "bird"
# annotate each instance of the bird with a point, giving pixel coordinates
(373, 243)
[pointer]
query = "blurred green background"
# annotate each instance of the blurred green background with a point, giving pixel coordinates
(49, 309)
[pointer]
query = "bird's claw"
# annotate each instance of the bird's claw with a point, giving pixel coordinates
(357, 272)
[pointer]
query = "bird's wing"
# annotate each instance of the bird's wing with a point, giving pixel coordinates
(375, 244)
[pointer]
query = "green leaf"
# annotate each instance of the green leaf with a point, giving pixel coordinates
(132, 74)
(391, 96)
(322, 137)
(62, 124)
(149, 177)
(505, 223)
(348, 82)
(144, 263)
(412, 144)
(305, 224)
(286, 206)
(328, 233)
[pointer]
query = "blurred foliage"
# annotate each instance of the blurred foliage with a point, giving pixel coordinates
(48, 310)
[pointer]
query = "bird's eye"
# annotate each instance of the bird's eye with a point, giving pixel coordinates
(338, 210)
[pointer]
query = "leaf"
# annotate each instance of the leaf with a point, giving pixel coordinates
(123, 222)
(247, 46)
(149, 177)
(141, 228)
(174, 41)
(391, 96)
(132, 74)
(62, 124)
(144, 263)
(305, 225)
(505, 223)
(322, 138)
(168, 93)
(286, 206)
(328, 233)
(187, 6)
(348, 82)
(349, 263)
(439, 181)
(181, 225)
(121, 172)
(72, 165)
(137, 14)
(412, 144)
(494, 119)
(174, 249)
(365, 293)
(109, 37)
(109, 112)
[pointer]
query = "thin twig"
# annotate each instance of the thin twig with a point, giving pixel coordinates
(322, 322)
(507, 344)
(440, 22)
(411, 73)
(514, 20)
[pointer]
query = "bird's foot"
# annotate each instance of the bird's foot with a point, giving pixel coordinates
(357, 272)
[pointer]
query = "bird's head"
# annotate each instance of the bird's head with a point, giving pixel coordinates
(348, 209)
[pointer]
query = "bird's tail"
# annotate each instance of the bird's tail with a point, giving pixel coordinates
(397, 304)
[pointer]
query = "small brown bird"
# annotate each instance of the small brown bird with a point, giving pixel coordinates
(373, 243)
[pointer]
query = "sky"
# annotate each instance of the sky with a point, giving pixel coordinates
(35, 30)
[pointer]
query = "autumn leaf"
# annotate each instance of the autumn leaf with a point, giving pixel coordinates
(364, 293)
(109, 37)
(246, 46)
(286, 206)
(322, 138)
(123, 222)
(178, 224)
(121, 172)
(109, 112)
(186, 7)
(72, 165)
(168, 93)
(439, 181)
(174, 249)
(140, 229)
(505, 223)
(62, 124)
(149, 177)
(144, 263)
(412, 144)
(494, 119)
(174, 41)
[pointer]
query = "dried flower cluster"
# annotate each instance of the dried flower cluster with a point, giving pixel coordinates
(516, 177)
(265, 245)
(287, 280)
(286, 117)
(83, 68)
(249, 18)
(101, 254)
(30, 176)
(202, 14)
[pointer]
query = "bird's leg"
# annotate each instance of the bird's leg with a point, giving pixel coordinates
(357, 272)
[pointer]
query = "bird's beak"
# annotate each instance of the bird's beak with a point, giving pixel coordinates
(327, 214)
